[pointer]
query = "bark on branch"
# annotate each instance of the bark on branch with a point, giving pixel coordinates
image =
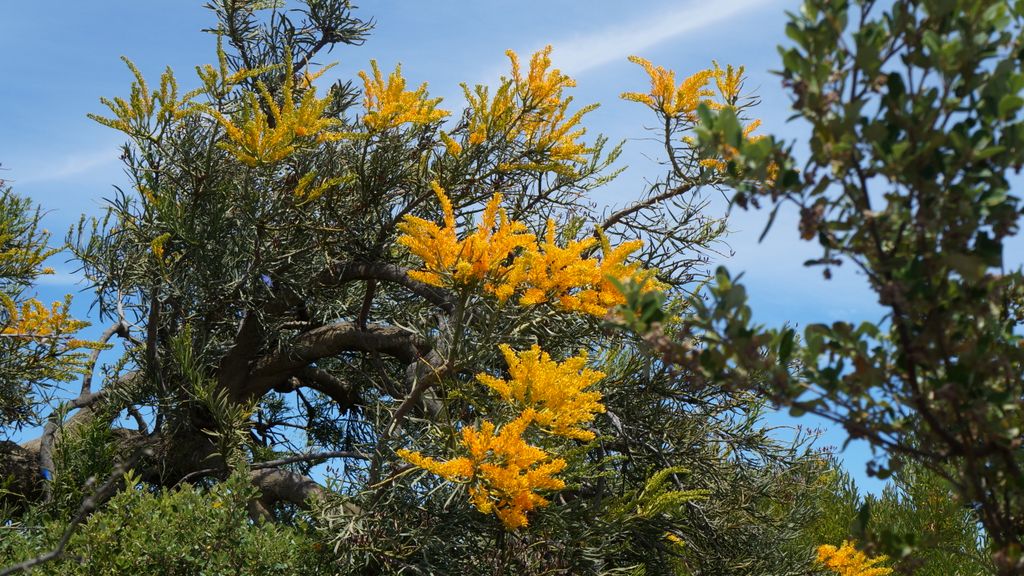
(342, 272)
(327, 341)
(279, 485)
(344, 394)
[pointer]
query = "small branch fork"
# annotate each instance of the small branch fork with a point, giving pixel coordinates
(86, 397)
(312, 457)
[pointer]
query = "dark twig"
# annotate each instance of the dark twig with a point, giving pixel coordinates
(121, 329)
(312, 457)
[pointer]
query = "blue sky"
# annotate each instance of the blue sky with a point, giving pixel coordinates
(62, 56)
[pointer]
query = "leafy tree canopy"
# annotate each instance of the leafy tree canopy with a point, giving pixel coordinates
(364, 333)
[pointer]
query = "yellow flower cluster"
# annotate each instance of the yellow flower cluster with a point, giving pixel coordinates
(157, 245)
(554, 391)
(668, 98)
(683, 100)
(563, 276)
(505, 471)
(389, 104)
(147, 114)
(507, 260)
(450, 144)
(255, 138)
(491, 116)
(846, 560)
(545, 124)
(729, 82)
(34, 321)
(533, 109)
(135, 116)
(480, 257)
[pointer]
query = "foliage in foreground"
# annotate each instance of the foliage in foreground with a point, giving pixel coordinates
(185, 530)
(914, 109)
(420, 300)
(416, 298)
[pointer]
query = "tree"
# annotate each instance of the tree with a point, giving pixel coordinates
(416, 299)
(914, 112)
(38, 348)
(917, 521)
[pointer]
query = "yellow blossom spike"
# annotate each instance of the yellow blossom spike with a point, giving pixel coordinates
(456, 469)
(451, 146)
(555, 391)
(846, 560)
(255, 139)
(750, 128)
(729, 82)
(389, 105)
(669, 99)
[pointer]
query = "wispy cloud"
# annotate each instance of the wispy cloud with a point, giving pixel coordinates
(71, 165)
(581, 53)
(62, 279)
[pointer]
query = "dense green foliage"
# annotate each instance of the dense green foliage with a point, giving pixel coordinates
(36, 346)
(914, 109)
(322, 305)
(293, 315)
(181, 531)
(917, 520)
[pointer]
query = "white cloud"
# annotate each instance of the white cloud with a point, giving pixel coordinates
(61, 279)
(69, 166)
(581, 53)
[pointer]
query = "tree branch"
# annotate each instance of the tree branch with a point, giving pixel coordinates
(121, 329)
(635, 207)
(344, 394)
(331, 340)
(279, 485)
(422, 375)
(343, 272)
(310, 457)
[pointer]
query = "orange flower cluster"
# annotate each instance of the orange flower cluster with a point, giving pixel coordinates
(504, 470)
(564, 277)
(554, 391)
(533, 109)
(389, 104)
(506, 260)
(477, 258)
(668, 98)
(254, 138)
(682, 101)
(846, 560)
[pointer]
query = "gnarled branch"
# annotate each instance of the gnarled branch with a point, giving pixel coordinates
(342, 272)
(327, 341)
